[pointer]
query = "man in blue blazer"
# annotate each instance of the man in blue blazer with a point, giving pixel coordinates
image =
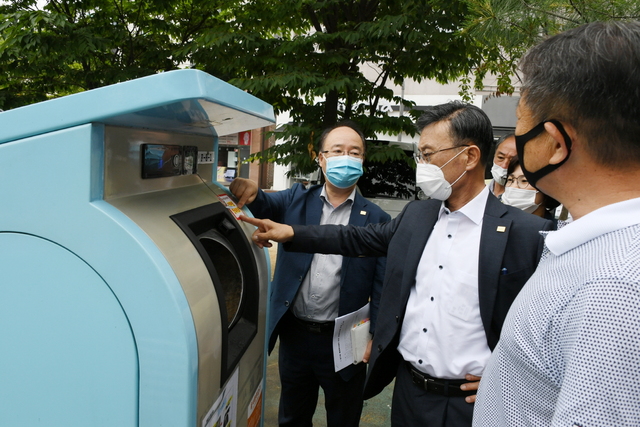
(309, 291)
(454, 266)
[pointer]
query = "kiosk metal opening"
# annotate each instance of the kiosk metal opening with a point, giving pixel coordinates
(229, 261)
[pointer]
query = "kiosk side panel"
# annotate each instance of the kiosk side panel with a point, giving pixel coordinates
(68, 354)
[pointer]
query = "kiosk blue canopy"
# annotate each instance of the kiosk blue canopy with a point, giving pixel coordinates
(188, 101)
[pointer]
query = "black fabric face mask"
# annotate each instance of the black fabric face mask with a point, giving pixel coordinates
(521, 140)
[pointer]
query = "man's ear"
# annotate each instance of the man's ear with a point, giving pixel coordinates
(558, 150)
(473, 156)
(320, 159)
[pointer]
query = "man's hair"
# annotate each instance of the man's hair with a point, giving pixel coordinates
(345, 123)
(589, 77)
(504, 138)
(468, 124)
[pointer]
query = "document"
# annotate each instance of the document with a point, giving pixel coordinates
(360, 338)
(350, 338)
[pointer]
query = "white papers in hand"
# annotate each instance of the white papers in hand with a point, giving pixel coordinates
(343, 354)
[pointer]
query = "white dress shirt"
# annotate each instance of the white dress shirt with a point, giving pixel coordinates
(442, 332)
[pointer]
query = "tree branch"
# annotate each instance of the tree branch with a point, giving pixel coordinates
(313, 18)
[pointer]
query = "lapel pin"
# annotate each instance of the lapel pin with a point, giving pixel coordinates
(501, 229)
(363, 212)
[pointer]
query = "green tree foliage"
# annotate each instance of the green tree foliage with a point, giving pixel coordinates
(74, 45)
(309, 57)
(306, 57)
(507, 28)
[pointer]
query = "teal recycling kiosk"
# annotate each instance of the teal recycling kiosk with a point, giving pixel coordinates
(130, 294)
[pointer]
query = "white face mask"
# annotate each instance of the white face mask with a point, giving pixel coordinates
(432, 182)
(499, 174)
(520, 198)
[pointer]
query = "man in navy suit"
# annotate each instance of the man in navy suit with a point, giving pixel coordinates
(454, 266)
(309, 291)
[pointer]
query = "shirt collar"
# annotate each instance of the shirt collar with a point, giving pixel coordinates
(601, 221)
(325, 199)
(474, 209)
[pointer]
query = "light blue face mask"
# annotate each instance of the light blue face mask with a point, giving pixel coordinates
(343, 171)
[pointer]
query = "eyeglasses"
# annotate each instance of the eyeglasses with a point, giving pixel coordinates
(332, 153)
(423, 156)
(520, 181)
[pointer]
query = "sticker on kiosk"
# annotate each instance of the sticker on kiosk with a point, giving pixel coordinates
(231, 205)
(254, 411)
(223, 413)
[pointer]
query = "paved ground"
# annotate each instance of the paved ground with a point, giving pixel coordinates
(375, 413)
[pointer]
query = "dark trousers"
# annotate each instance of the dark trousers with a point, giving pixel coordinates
(412, 406)
(306, 363)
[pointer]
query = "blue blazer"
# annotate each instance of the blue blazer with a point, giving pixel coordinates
(510, 248)
(361, 278)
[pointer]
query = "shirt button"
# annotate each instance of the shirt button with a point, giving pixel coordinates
(424, 329)
(420, 361)
(440, 267)
(286, 303)
(449, 236)
(431, 298)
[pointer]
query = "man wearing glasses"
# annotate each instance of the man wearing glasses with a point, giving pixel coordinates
(454, 265)
(310, 291)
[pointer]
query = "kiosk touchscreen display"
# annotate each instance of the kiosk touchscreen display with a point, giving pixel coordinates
(159, 160)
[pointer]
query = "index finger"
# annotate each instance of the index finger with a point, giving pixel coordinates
(253, 221)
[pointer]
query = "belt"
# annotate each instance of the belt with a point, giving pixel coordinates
(314, 327)
(440, 386)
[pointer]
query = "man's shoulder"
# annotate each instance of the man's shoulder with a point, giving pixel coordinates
(296, 191)
(421, 206)
(378, 213)
(299, 189)
(417, 212)
(523, 218)
(518, 214)
(375, 211)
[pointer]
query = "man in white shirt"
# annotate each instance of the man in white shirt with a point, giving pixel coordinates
(454, 265)
(569, 353)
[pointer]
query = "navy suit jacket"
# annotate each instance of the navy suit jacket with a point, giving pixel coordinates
(510, 248)
(361, 278)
